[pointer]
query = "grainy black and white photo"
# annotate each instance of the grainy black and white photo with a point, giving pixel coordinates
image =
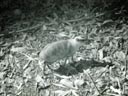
(64, 48)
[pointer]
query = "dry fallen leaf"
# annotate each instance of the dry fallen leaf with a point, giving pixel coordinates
(120, 55)
(101, 54)
(78, 82)
(67, 83)
(17, 49)
(61, 93)
(2, 75)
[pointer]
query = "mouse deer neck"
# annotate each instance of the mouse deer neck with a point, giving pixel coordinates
(75, 43)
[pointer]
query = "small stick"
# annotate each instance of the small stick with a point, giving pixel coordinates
(22, 30)
(126, 62)
(93, 83)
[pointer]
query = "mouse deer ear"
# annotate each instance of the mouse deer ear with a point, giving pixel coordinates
(80, 38)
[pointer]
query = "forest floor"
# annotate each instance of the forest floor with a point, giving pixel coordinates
(101, 65)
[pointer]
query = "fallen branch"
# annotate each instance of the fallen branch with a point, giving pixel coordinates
(22, 30)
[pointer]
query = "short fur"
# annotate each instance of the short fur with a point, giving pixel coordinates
(59, 50)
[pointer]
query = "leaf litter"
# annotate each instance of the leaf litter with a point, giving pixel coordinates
(105, 57)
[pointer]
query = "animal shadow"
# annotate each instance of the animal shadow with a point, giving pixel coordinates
(76, 67)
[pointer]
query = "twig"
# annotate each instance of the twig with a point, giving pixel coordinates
(76, 20)
(93, 83)
(28, 57)
(126, 62)
(111, 94)
(27, 65)
(82, 18)
(22, 30)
